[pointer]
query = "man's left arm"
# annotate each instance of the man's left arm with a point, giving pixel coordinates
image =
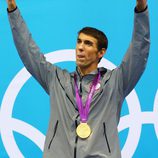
(134, 62)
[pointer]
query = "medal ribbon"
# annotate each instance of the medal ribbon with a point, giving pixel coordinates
(84, 110)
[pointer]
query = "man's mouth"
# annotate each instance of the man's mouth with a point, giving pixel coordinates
(80, 56)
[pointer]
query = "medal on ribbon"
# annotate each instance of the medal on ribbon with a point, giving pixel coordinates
(83, 129)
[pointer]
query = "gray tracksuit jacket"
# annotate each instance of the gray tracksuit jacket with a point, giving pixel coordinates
(61, 139)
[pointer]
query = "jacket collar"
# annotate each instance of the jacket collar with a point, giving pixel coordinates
(93, 73)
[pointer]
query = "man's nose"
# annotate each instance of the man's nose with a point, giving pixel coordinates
(81, 46)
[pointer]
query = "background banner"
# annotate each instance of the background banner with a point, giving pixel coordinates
(24, 105)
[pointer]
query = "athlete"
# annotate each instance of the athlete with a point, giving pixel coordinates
(85, 104)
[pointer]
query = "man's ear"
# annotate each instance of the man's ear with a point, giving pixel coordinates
(102, 52)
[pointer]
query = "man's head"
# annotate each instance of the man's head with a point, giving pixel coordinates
(102, 41)
(90, 48)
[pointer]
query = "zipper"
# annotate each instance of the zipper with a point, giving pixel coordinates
(55, 129)
(106, 138)
(80, 87)
(76, 140)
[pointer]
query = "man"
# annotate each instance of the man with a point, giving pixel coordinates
(85, 104)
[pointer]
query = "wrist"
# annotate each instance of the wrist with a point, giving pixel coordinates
(11, 7)
(141, 6)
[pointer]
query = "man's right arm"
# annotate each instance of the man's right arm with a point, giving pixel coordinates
(29, 52)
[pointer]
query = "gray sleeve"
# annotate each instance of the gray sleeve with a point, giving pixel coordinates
(29, 52)
(134, 61)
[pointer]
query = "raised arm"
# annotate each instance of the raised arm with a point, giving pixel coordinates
(134, 62)
(29, 52)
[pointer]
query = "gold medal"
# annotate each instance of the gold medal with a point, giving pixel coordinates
(83, 130)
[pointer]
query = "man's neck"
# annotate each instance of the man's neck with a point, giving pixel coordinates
(85, 71)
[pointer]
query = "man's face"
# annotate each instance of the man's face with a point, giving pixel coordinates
(87, 54)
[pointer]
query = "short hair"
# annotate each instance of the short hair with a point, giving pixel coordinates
(102, 40)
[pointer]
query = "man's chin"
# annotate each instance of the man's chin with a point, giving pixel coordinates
(81, 64)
